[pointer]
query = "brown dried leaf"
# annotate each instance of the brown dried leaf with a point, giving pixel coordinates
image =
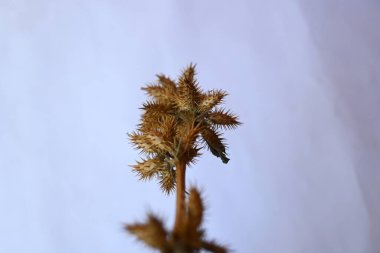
(215, 143)
(152, 233)
(195, 209)
(214, 247)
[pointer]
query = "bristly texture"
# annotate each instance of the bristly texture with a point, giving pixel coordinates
(177, 119)
(152, 232)
(177, 122)
(190, 239)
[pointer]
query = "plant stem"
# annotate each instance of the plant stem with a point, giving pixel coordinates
(180, 201)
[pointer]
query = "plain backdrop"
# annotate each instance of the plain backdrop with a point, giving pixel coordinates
(304, 77)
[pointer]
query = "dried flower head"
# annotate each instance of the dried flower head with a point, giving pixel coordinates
(179, 120)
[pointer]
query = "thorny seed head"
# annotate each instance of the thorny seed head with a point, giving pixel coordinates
(177, 119)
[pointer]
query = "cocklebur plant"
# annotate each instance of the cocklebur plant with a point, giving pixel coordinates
(177, 122)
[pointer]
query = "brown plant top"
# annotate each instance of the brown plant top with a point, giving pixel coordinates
(177, 122)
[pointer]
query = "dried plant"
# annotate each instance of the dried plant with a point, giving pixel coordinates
(177, 122)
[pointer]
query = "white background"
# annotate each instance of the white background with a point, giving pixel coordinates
(304, 76)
